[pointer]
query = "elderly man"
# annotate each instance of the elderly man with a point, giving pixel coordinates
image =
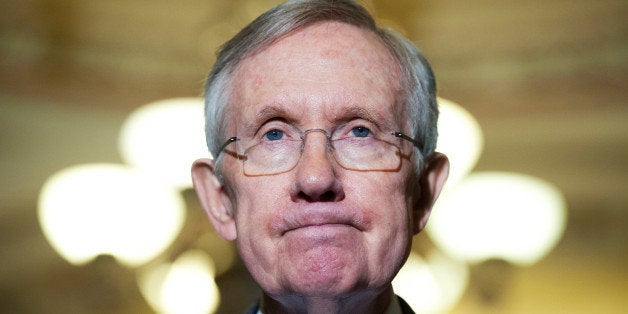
(323, 130)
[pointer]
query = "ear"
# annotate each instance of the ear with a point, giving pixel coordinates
(430, 185)
(211, 194)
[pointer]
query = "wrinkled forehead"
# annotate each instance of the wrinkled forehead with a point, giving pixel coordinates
(324, 69)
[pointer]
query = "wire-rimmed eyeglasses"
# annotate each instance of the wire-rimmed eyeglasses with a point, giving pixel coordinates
(360, 149)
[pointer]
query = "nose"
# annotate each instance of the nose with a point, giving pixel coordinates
(316, 175)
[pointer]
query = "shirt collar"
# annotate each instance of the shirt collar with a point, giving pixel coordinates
(393, 308)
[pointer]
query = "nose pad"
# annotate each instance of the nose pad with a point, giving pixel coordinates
(327, 137)
(316, 177)
(314, 149)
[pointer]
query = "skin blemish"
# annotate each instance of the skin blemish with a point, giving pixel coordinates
(257, 82)
(331, 53)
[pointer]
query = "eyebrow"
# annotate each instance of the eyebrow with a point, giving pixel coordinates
(359, 112)
(334, 116)
(268, 112)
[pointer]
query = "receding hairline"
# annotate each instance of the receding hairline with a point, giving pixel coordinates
(372, 32)
(372, 37)
(387, 57)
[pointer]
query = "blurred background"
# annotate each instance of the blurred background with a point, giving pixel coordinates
(545, 80)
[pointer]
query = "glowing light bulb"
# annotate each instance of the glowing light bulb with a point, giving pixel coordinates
(460, 138)
(510, 216)
(88, 210)
(187, 286)
(163, 138)
(432, 286)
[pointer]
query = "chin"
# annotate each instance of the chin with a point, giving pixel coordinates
(329, 283)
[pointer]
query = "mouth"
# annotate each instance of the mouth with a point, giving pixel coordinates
(318, 221)
(321, 235)
(316, 228)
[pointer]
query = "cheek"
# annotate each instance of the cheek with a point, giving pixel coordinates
(383, 201)
(258, 201)
(253, 204)
(254, 209)
(388, 237)
(387, 206)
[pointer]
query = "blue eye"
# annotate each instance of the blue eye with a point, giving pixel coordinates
(361, 131)
(273, 135)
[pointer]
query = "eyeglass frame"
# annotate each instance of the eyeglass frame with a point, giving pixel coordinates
(234, 139)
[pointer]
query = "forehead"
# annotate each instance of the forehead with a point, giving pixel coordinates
(319, 72)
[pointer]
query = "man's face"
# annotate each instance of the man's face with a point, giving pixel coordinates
(319, 229)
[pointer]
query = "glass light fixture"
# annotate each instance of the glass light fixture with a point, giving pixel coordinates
(94, 209)
(186, 286)
(431, 286)
(510, 216)
(163, 138)
(460, 138)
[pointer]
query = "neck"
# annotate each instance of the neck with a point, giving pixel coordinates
(369, 302)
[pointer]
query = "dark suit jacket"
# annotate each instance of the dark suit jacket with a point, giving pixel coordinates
(405, 308)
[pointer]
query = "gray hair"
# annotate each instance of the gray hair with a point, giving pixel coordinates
(418, 81)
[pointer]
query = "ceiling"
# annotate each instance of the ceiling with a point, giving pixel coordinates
(545, 79)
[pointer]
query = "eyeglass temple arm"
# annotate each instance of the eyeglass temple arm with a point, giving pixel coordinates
(229, 141)
(407, 138)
